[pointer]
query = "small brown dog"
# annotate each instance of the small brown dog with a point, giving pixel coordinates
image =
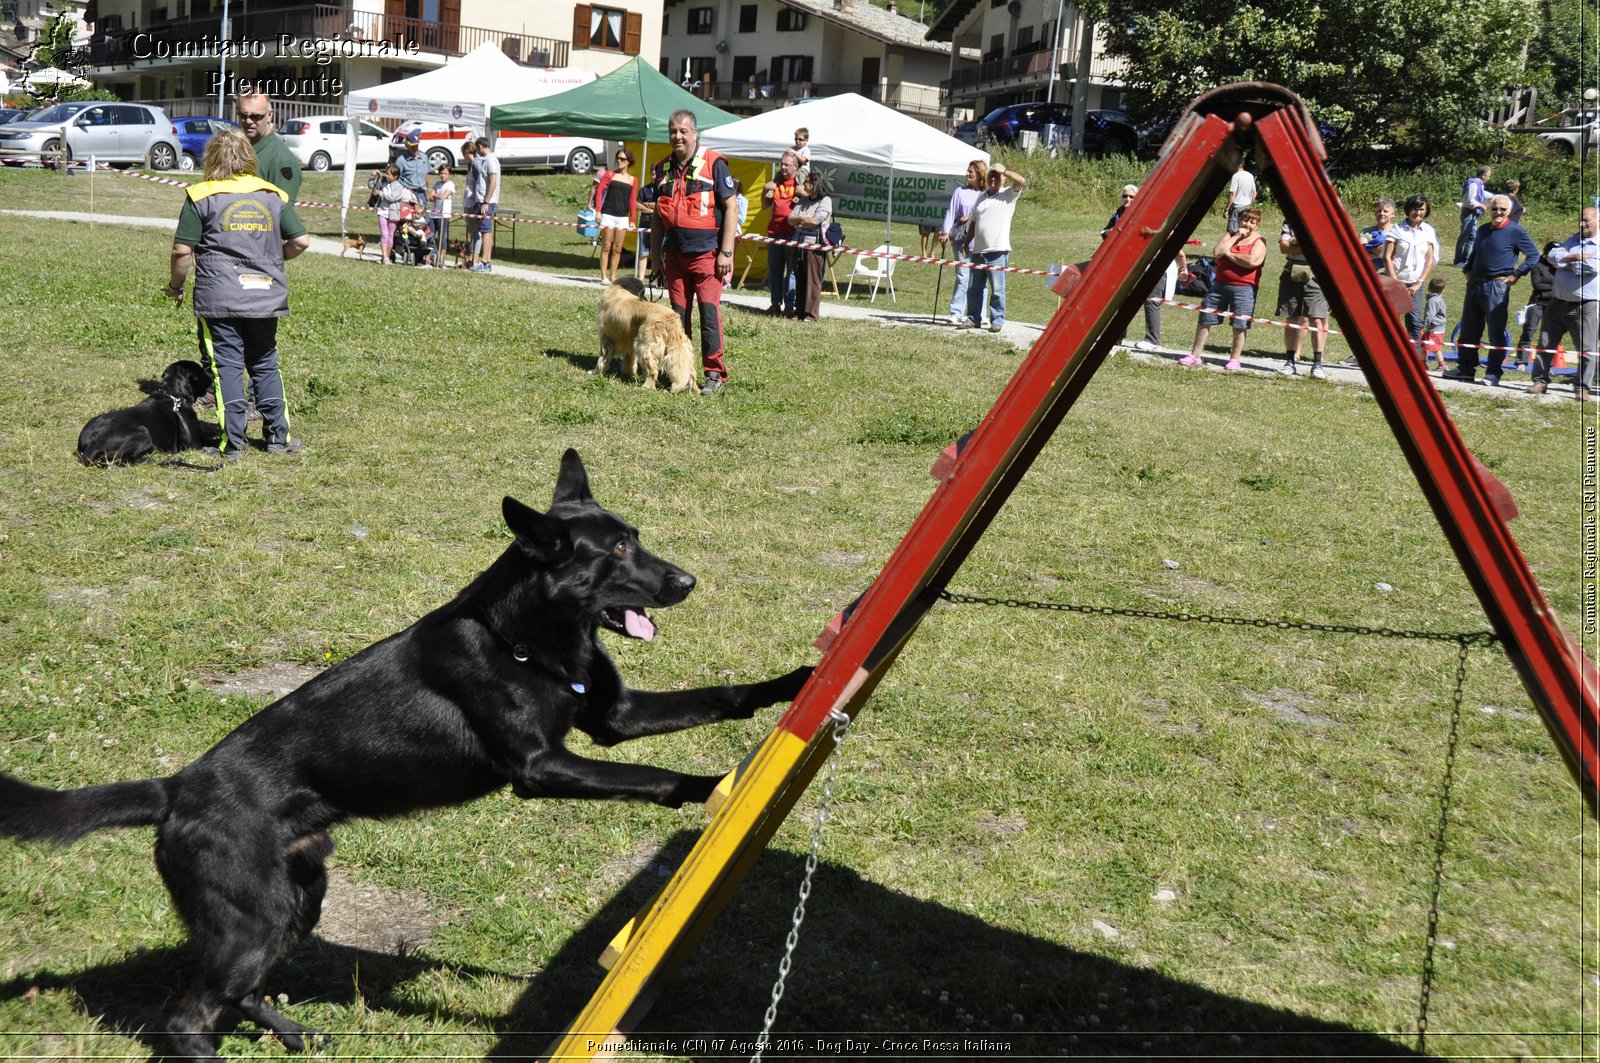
(358, 242)
(644, 334)
(457, 249)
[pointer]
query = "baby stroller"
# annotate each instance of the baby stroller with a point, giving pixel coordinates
(413, 240)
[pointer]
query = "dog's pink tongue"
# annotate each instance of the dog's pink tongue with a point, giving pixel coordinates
(638, 625)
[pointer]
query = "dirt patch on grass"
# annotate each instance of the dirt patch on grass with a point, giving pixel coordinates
(375, 919)
(1289, 706)
(268, 681)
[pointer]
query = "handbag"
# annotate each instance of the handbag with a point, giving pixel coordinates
(961, 234)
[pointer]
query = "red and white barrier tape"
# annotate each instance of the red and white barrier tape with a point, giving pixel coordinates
(868, 253)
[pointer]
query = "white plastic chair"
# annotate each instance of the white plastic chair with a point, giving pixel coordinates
(879, 265)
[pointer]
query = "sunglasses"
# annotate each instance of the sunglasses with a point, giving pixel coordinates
(1126, 197)
(243, 117)
(1499, 210)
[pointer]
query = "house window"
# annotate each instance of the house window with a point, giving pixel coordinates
(747, 18)
(666, 20)
(1024, 40)
(700, 19)
(791, 21)
(605, 28)
(744, 68)
(791, 67)
(997, 47)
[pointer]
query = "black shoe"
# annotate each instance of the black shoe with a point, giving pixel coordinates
(1492, 380)
(288, 446)
(712, 385)
(229, 455)
(1457, 374)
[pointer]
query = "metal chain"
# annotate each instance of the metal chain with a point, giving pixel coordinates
(1464, 638)
(841, 727)
(1439, 844)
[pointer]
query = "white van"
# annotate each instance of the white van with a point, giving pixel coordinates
(441, 144)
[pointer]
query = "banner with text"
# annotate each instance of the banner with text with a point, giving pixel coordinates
(919, 198)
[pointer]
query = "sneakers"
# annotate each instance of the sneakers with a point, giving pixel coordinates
(957, 319)
(480, 267)
(1491, 380)
(288, 446)
(208, 401)
(1233, 365)
(1318, 373)
(251, 414)
(966, 322)
(1289, 369)
(994, 328)
(1189, 359)
(713, 384)
(230, 455)
(1537, 389)
(1146, 345)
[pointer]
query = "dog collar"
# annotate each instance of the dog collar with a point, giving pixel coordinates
(522, 654)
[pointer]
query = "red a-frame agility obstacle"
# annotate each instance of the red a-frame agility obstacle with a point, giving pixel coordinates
(1196, 164)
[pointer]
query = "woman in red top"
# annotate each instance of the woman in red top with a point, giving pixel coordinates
(616, 200)
(1239, 257)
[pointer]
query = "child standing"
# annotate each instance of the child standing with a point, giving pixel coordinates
(802, 148)
(439, 201)
(1433, 320)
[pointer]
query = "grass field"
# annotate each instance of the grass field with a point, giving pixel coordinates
(1078, 835)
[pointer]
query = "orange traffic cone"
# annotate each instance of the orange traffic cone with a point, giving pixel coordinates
(1560, 360)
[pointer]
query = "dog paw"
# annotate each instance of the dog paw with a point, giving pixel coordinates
(786, 688)
(692, 790)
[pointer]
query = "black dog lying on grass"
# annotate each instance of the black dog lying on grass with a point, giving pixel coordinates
(165, 421)
(478, 694)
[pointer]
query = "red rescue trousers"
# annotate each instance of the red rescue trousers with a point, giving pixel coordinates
(696, 275)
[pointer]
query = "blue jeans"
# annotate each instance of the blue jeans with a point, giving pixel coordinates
(995, 280)
(1468, 237)
(958, 298)
(1485, 307)
(780, 276)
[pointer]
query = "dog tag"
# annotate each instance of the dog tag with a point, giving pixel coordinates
(579, 688)
(519, 654)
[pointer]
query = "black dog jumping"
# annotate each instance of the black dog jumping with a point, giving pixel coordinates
(478, 694)
(165, 421)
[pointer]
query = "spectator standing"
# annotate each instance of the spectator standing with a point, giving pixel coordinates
(1302, 305)
(1375, 238)
(1474, 194)
(413, 167)
(1514, 186)
(1574, 305)
(777, 196)
(392, 197)
(1241, 196)
(488, 195)
(1409, 255)
(1128, 192)
(238, 230)
(812, 213)
(1165, 288)
(440, 200)
(956, 232)
(991, 245)
(1492, 268)
(274, 161)
(693, 229)
(1433, 322)
(1239, 258)
(1543, 279)
(616, 201)
(471, 209)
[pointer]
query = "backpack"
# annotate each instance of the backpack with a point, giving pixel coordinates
(374, 183)
(834, 236)
(1201, 268)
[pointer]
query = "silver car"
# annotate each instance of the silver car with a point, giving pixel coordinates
(109, 131)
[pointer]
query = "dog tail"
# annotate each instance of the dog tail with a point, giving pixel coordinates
(36, 812)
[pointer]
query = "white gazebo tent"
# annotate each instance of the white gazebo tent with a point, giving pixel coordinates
(460, 92)
(859, 137)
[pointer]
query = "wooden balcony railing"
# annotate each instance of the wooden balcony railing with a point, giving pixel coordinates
(1027, 69)
(309, 22)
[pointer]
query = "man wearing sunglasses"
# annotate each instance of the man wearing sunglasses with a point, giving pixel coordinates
(253, 112)
(1492, 268)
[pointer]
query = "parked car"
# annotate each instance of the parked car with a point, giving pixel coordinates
(321, 141)
(111, 132)
(1570, 139)
(1107, 132)
(967, 133)
(441, 144)
(1152, 136)
(193, 136)
(10, 114)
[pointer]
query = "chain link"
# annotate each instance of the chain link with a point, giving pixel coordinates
(841, 727)
(1439, 845)
(1464, 638)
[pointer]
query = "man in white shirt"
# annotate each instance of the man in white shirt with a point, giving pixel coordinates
(1241, 194)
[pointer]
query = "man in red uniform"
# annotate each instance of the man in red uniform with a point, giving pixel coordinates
(692, 233)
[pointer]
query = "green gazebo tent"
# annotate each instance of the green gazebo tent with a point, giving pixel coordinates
(632, 103)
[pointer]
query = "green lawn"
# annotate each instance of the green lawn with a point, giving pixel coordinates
(1015, 799)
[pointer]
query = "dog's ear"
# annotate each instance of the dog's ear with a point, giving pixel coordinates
(573, 483)
(540, 537)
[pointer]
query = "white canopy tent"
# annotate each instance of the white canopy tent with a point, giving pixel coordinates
(460, 92)
(875, 155)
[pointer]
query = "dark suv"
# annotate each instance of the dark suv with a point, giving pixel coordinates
(1108, 132)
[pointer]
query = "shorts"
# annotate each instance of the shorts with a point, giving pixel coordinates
(1239, 298)
(613, 221)
(1301, 298)
(484, 223)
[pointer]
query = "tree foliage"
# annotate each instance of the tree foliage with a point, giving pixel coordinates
(1418, 73)
(55, 43)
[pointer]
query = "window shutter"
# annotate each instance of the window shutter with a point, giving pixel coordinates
(580, 26)
(633, 35)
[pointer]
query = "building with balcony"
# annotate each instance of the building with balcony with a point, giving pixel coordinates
(310, 54)
(1028, 50)
(749, 56)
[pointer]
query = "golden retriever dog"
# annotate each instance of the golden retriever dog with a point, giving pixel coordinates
(645, 334)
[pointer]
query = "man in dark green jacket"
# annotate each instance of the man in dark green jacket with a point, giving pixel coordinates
(274, 162)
